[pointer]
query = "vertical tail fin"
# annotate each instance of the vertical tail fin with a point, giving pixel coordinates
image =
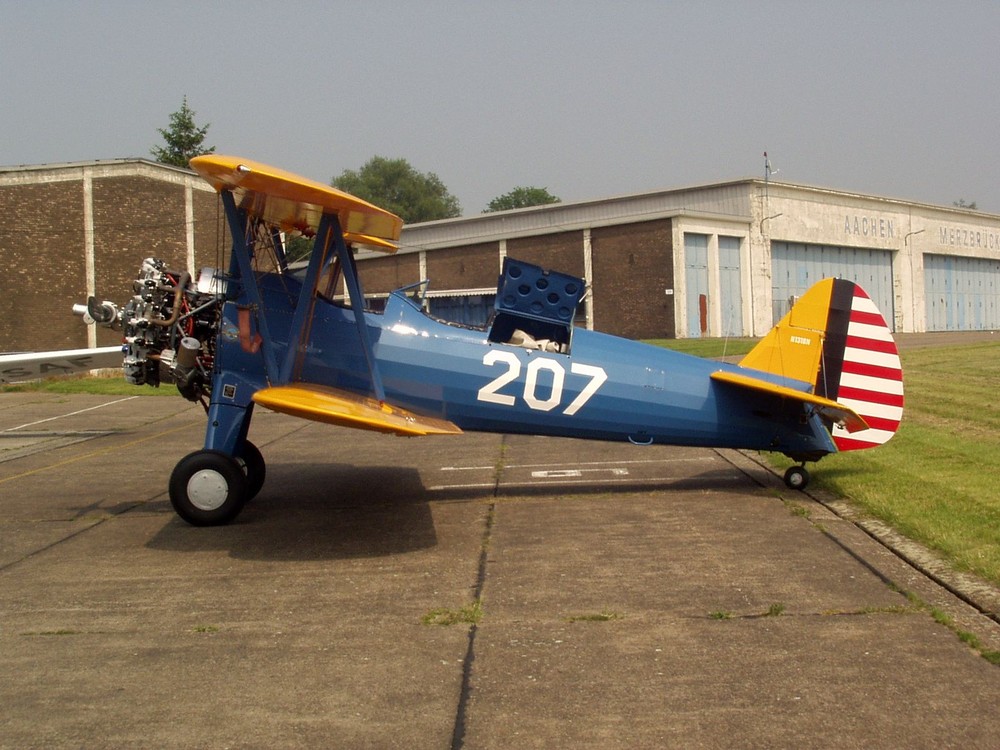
(835, 338)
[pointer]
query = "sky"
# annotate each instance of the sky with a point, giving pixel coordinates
(899, 98)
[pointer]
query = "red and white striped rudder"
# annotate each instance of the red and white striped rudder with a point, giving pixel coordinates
(861, 358)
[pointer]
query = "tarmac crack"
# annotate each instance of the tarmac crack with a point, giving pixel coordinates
(461, 712)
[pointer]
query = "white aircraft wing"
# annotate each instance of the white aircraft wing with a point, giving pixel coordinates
(35, 365)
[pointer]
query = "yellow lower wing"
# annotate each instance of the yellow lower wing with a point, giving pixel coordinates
(323, 404)
(838, 413)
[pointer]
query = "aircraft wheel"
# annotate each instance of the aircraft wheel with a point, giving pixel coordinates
(252, 463)
(796, 478)
(208, 488)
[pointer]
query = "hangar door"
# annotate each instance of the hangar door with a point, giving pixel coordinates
(796, 266)
(963, 294)
(696, 278)
(697, 252)
(730, 286)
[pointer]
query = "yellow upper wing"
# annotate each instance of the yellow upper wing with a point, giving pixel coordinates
(289, 201)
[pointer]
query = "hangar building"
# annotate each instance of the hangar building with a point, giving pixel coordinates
(724, 259)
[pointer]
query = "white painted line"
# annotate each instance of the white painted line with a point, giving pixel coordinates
(505, 467)
(71, 414)
(514, 485)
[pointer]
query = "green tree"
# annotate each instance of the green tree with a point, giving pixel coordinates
(960, 203)
(393, 184)
(521, 197)
(183, 139)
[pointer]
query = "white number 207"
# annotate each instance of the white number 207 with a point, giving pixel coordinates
(490, 392)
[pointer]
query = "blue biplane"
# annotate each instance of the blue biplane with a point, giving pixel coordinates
(302, 342)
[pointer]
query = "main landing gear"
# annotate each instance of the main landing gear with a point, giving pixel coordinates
(796, 478)
(210, 488)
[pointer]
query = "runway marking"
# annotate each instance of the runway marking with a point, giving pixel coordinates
(573, 474)
(71, 414)
(618, 471)
(514, 484)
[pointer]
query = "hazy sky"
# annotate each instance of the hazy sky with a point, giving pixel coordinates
(589, 99)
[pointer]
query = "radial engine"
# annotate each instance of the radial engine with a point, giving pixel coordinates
(169, 327)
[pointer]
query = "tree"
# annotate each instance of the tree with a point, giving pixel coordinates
(960, 203)
(393, 184)
(521, 197)
(183, 139)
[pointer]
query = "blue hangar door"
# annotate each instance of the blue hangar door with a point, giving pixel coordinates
(696, 279)
(963, 294)
(796, 266)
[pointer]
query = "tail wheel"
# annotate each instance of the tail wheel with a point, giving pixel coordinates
(208, 488)
(252, 463)
(796, 478)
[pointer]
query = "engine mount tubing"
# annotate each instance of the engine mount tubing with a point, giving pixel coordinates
(178, 297)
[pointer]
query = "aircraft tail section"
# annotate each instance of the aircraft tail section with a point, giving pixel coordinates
(835, 338)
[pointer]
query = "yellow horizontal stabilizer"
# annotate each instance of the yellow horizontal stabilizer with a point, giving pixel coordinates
(323, 404)
(836, 412)
(288, 201)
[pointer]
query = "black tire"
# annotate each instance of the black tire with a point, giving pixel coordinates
(796, 478)
(208, 488)
(254, 468)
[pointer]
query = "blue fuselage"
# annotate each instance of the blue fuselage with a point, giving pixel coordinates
(602, 388)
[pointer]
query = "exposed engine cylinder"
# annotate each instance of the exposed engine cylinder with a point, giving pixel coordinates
(170, 327)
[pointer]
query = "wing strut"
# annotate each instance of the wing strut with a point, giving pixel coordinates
(329, 239)
(238, 227)
(350, 271)
(298, 339)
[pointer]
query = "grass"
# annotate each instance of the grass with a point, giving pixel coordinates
(707, 347)
(95, 386)
(934, 482)
(470, 614)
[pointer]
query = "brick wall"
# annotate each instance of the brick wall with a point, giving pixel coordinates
(561, 252)
(134, 218)
(385, 273)
(471, 267)
(136, 214)
(42, 266)
(632, 268)
(43, 258)
(212, 245)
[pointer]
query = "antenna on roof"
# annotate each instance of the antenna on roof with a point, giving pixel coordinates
(765, 199)
(767, 168)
